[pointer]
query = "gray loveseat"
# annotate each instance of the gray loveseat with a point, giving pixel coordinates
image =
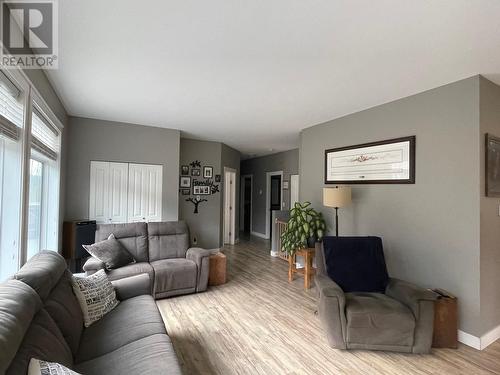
(162, 250)
(40, 317)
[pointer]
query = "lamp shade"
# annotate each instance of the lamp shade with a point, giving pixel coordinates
(339, 196)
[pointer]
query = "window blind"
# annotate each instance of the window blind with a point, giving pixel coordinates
(11, 109)
(45, 137)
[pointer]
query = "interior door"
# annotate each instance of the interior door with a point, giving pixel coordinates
(275, 200)
(294, 189)
(247, 204)
(99, 191)
(144, 192)
(118, 186)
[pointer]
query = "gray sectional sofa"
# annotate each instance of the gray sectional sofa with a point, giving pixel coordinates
(40, 317)
(162, 250)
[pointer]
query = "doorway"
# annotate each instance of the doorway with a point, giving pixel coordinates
(274, 194)
(246, 204)
(229, 205)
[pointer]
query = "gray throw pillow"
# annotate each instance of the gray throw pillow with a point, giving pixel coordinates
(110, 252)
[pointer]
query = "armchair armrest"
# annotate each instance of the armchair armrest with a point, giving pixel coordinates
(132, 286)
(409, 294)
(201, 258)
(92, 265)
(421, 302)
(331, 310)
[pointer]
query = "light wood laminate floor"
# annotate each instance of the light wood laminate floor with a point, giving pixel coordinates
(258, 323)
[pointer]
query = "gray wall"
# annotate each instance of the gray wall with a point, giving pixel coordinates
(90, 139)
(205, 225)
(288, 162)
(490, 219)
(430, 229)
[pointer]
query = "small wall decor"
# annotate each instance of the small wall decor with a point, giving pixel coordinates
(285, 185)
(208, 172)
(184, 170)
(195, 172)
(196, 201)
(185, 191)
(201, 190)
(217, 178)
(492, 164)
(195, 164)
(185, 182)
(386, 162)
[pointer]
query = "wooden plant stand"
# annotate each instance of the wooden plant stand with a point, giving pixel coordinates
(307, 272)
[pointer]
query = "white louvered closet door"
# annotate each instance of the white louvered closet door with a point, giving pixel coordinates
(118, 186)
(99, 191)
(145, 192)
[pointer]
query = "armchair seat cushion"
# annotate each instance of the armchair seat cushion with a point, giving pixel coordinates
(131, 270)
(376, 319)
(174, 274)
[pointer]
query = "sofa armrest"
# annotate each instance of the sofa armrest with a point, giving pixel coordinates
(132, 286)
(92, 265)
(331, 310)
(201, 258)
(409, 294)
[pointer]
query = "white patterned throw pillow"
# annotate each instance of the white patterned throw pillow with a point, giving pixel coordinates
(96, 295)
(38, 367)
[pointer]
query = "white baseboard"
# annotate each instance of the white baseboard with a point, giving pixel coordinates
(482, 342)
(257, 234)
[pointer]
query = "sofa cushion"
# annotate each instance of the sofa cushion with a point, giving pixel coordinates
(132, 270)
(132, 236)
(43, 341)
(111, 252)
(131, 320)
(376, 319)
(172, 274)
(42, 272)
(148, 356)
(64, 308)
(356, 264)
(18, 305)
(168, 240)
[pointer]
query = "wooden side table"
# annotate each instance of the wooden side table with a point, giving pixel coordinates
(307, 272)
(445, 320)
(217, 272)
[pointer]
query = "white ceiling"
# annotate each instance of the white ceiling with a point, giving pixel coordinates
(252, 74)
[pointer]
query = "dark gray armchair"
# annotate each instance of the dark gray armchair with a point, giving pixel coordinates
(364, 308)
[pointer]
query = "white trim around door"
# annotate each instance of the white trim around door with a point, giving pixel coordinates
(268, 198)
(229, 221)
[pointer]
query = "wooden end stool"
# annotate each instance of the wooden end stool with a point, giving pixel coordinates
(217, 273)
(307, 271)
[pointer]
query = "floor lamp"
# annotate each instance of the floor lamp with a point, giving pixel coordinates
(337, 197)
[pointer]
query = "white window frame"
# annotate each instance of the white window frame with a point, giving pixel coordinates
(31, 95)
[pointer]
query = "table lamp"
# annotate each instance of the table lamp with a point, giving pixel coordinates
(339, 196)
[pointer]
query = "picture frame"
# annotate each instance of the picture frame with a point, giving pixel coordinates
(185, 182)
(195, 172)
(208, 172)
(285, 185)
(390, 161)
(217, 178)
(492, 165)
(201, 190)
(184, 170)
(186, 191)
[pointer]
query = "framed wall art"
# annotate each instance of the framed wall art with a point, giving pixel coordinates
(185, 182)
(386, 162)
(185, 191)
(184, 170)
(195, 172)
(208, 172)
(201, 190)
(492, 164)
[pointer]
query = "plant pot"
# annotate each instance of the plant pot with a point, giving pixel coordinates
(311, 242)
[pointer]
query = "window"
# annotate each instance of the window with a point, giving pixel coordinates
(43, 218)
(29, 201)
(11, 151)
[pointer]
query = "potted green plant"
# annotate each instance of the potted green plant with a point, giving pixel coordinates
(305, 227)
